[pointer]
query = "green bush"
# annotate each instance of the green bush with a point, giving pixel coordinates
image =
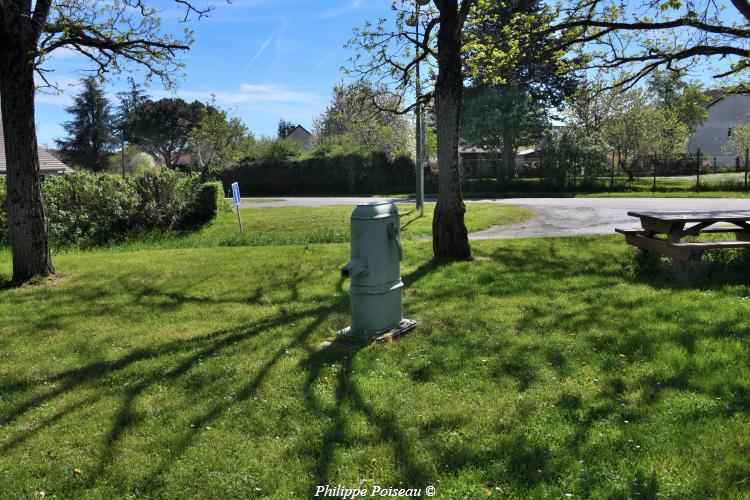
(205, 206)
(164, 198)
(88, 209)
(352, 173)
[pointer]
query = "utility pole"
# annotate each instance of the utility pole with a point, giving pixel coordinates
(122, 151)
(420, 132)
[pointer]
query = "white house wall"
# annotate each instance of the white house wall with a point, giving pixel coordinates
(711, 137)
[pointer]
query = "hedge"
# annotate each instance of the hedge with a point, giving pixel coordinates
(353, 173)
(86, 209)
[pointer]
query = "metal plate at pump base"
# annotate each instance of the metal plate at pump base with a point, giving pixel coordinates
(401, 329)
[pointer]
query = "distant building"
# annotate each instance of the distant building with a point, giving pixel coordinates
(301, 136)
(185, 160)
(724, 112)
(48, 164)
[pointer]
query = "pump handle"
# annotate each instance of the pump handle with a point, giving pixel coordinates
(393, 232)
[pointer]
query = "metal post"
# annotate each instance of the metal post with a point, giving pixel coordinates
(122, 152)
(714, 164)
(239, 219)
(698, 170)
(746, 154)
(419, 131)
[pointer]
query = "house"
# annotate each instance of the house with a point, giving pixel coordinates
(724, 112)
(184, 160)
(301, 136)
(48, 164)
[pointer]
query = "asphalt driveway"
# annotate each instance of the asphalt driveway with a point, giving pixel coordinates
(555, 216)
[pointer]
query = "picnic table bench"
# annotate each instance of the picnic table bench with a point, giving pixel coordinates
(663, 231)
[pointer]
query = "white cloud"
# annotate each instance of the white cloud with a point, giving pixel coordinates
(254, 94)
(353, 5)
(67, 87)
(260, 51)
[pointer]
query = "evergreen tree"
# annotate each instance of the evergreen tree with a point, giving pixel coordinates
(129, 100)
(90, 133)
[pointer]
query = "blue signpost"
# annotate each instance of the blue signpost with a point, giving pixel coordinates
(237, 199)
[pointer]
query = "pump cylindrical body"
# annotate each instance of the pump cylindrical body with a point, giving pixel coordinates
(376, 288)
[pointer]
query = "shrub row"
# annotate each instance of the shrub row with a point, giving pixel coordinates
(88, 209)
(354, 173)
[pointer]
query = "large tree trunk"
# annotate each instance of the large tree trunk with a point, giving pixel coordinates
(450, 239)
(27, 216)
(509, 156)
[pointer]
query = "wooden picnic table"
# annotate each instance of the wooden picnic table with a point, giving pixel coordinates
(663, 231)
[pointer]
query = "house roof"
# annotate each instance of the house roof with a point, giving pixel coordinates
(299, 127)
(714, 96)
(48, 164)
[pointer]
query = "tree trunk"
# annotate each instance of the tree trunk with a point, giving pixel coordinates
(509, 157)
(27, 216)
(450, 240)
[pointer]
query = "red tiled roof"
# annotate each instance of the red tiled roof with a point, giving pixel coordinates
(48, 164)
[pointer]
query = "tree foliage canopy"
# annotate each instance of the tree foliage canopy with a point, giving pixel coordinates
(91, 131)
(356, 117)
(498, 52)
(162, 128)
(502, 119)
(218, 140)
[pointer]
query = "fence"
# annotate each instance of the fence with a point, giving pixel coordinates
(681, 172)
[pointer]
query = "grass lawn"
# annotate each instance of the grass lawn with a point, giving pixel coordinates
(668, 194)
(259, 200)
(542, 369)
(301, 225)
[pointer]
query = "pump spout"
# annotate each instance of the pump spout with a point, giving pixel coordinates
(353, 268)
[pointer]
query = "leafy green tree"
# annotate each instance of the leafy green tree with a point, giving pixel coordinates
(91, 131)
(639, 129)
(218, 140)
(571, 154)
(163, 128)
(273, 150)
(687, 101)
(739, 140)
(360, 112)
(130, 160)
(285, 128)
(129, 100)
(502, 119)
(107, 32)
(592, 106)
(495, 55)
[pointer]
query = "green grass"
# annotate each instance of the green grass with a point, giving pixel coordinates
(668, 194)
(301, 225)
(260, 200)
(546, 368)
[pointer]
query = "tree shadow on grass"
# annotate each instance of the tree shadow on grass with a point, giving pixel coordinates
(715, 271)
(189, 351)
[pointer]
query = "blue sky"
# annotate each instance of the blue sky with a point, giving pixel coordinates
(263, 59)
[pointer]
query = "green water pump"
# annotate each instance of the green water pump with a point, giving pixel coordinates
(376, 291)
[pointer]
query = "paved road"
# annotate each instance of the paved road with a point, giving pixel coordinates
(559, 216)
